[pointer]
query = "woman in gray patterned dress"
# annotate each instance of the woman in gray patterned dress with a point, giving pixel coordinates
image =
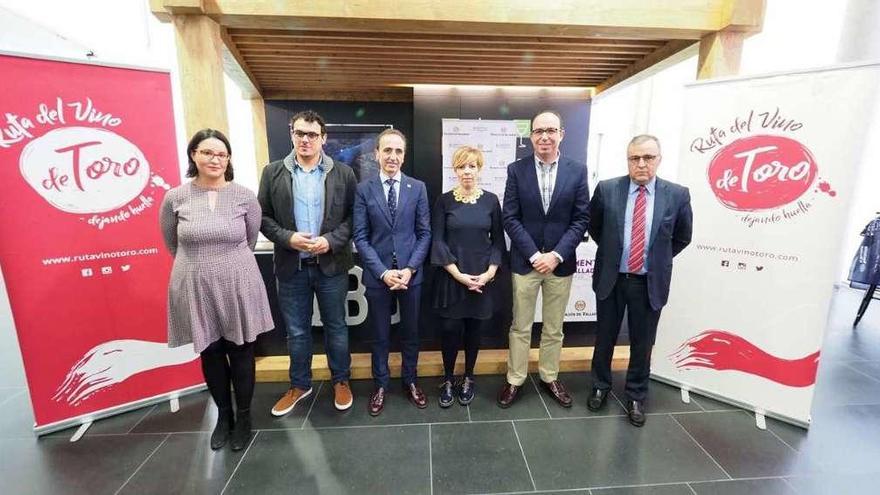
(216, 296)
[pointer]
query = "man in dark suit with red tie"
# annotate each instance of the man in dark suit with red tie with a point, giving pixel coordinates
(640, 222)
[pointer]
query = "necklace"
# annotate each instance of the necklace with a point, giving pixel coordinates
(470, 198)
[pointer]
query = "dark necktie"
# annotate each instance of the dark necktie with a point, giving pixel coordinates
(637, 239)
(392, 198)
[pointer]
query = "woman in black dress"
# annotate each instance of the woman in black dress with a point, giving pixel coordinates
(468, 242)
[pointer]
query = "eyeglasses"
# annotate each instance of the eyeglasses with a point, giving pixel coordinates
(550, 131)
(210, 155)
(647, 158)
(301, 134)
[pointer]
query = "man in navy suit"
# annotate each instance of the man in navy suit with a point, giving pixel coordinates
(545, 214)
(640, 222)
(392, 233)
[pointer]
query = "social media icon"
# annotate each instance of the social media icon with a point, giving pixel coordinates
(125, 268)
(725, 263)
(741, 266)
(106, 270)
(87, 272)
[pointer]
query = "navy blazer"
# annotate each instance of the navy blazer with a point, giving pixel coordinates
(670, 233)
(561, 229)
(377, 239)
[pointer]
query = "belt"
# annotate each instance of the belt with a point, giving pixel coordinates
(633, 275)
(310, 261)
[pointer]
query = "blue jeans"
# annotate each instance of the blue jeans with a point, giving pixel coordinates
(295, 296)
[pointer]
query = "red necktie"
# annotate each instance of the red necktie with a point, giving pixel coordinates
(637, 238)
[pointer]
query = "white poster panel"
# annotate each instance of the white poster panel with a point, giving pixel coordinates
(499, 141)
(770, 162)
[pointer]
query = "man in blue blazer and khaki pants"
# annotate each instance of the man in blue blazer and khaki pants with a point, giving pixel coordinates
(392, 233)
(640, 222)
(545, 214)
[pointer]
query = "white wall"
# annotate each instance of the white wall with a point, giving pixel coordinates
(797, 34)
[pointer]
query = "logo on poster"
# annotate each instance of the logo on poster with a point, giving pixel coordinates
(761, 172)
(84, 169)
(89, 171)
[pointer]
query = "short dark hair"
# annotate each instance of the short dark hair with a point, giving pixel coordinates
(309, 116)
(192, 170)
(552, 112)
(387, 132)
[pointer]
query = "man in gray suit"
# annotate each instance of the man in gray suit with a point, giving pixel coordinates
(640, 222)
(307, 201)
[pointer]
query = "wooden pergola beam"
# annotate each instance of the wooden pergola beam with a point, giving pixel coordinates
(689, 19)
(199, 48)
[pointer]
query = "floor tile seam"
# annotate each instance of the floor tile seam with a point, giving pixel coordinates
(149, 411)
(522, 451)
(617, 399)
(11, 397)
(672, 483)
(691, 488)
(358, 427)
(701, 447)
(862, 373)
(643, 485)
(430, 461)
(697, 402)
(142, 464)
(540, 395)
(796, 451)
(790, 485)
(314, 399)
(238, 464)
(468, 407)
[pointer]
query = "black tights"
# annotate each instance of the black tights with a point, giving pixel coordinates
(451, 332)
(239, 370)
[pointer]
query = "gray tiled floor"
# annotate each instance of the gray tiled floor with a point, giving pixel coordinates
(705, 447)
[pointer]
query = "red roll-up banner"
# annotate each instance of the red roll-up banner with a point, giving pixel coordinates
(86, 154)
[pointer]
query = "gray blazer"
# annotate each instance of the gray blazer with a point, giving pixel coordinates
(275, 196)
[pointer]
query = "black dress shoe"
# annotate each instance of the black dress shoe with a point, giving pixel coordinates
(557, 390)
(635, 410)
(597, 399)
(222, 429)
(241, 433)
(507, 395)
(415, 395)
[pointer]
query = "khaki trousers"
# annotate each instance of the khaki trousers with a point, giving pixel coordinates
(555, 291)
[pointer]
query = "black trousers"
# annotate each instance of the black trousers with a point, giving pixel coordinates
(630, 294)
(225, 364)
(454, 332)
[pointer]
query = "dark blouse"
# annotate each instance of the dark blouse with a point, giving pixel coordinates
(472, 237)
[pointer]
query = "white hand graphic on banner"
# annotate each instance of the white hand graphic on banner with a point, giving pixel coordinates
(114, 362)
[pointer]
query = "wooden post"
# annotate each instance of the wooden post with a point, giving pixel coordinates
(200, 61)
(261, 142)
(720, 54)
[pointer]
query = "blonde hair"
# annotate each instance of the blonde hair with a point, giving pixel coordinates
(467, 154)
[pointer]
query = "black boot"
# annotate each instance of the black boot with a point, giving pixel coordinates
(241, 434)
(222, 430)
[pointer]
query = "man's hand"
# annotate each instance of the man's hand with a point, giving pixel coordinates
(394, 280)
(320, 245)
(301, 241)
(405, 276)
(545, 263)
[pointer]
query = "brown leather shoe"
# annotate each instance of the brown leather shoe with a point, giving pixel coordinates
(342, 398)
(557, 390)
(507, 395)
(415, 395)
(377, 401)
(289, 400)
